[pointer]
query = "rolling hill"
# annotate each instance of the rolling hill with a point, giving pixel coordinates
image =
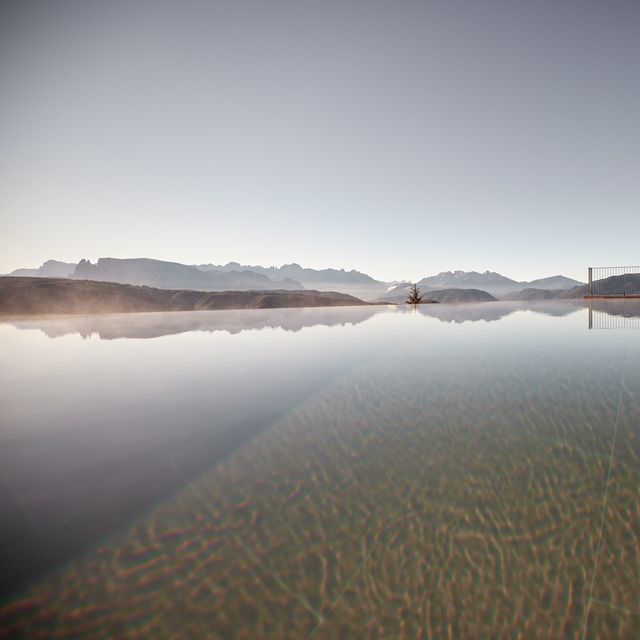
(628, 284)
(29, 296)
(531, 294)
(398, 295)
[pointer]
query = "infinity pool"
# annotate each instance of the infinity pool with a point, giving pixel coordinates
(452, 471)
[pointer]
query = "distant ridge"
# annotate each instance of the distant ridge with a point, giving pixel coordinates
(492, 282)
(554, 283)
(173, 275)
(49, 269)
(295, 271)
(467, 280)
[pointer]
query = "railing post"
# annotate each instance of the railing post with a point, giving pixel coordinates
(590, 281)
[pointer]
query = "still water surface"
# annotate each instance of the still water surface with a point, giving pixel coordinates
(376, 472)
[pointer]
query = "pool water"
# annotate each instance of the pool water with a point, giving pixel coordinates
(450, 471)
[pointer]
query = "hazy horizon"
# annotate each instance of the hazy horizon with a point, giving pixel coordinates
(397, 139)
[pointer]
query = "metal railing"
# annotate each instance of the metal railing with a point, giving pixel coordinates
(614, 282)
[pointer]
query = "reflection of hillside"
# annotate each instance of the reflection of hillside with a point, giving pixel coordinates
(626, 308)
(153, 325)
(492, 311)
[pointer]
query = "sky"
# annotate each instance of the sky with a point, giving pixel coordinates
(399, 138)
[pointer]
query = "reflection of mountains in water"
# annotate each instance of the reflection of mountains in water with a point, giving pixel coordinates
(493, 311)
(154, 325)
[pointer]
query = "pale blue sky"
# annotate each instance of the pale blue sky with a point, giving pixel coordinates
(396, 138)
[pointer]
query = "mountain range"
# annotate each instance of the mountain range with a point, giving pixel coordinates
(296, 272)
(210, 277)
(494, 283)
(351, 282)
(234, 276)
(173, 275)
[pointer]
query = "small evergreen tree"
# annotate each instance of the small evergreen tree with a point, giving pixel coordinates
(414, 295)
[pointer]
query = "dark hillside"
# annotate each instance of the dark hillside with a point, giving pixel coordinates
(29, 296)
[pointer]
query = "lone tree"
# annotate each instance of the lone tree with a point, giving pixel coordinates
(414, 295)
